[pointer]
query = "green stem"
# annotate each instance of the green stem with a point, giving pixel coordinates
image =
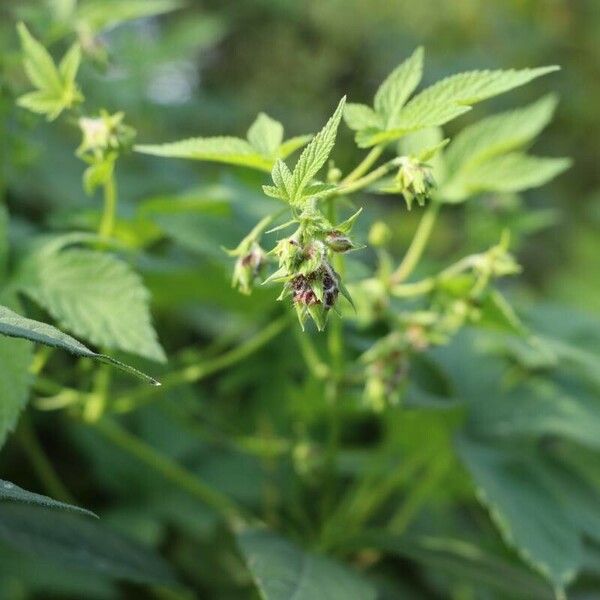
(311, 355)
(195, 373)
(42, 466)
(358, 184)
(107, 223)
(170, 470)
(417, 246)
(367, 162)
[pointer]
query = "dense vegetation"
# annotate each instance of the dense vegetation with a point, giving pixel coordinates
(287, 345)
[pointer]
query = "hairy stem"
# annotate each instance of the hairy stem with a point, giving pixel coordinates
(367, 162)
(363, 182)
(170, 470)
(417, 246)
(107, 222)
(195, 373)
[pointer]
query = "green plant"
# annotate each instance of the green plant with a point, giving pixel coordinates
(410, 358)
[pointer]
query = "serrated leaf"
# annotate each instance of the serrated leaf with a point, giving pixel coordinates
(398, 86)
(529, 516)
(282, 178)
(96, 296)
(450, 98)
(9, 492)
(498, 134)
(72, 541)
(265, 135)
(228, 150)
(360, 116)
(316, 153)
(15, 326)
(444, 100)
(283, 571)
(513, 172)
(15, 381)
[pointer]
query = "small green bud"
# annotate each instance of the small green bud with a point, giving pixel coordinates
(247, 269)
(415, 180)
(104, 134)
(338, 242)
(380, 234)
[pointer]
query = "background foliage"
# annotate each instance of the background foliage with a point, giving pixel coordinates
(487, 427)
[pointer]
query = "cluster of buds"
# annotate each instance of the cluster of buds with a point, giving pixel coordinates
(414, 180)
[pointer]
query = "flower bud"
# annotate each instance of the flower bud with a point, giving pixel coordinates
(338, 242)
(247, 269)
(415, 180)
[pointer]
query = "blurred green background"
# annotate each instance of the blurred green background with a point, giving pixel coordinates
(208, 69)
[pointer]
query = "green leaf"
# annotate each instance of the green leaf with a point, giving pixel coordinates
(282, 178)
(15, 326)
(524, 508)
(101, 14)
(72, 541)
(96, 296)
(15, 380)
(450, 98)
(228, 150)
(283, 571)
(513, 172)
(316, 153)
(265, 135)
(3, 240)
(361, 116)
(38, 63)
(463, 561)
(498, 134)
(9, 492)
(396, 89)
(57, 89)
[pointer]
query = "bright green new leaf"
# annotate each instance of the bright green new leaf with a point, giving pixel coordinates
(283, 571)
(315, 154)
(265, 135)
(229, 150)
(526, 511)
(9, 492)
(73, 541)
(498, 134)
(396, 89)
(360, 116)
(450, 98)
(96, 296)
(15, 326)
(56, 87)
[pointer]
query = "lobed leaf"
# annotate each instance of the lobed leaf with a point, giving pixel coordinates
(361, 116)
